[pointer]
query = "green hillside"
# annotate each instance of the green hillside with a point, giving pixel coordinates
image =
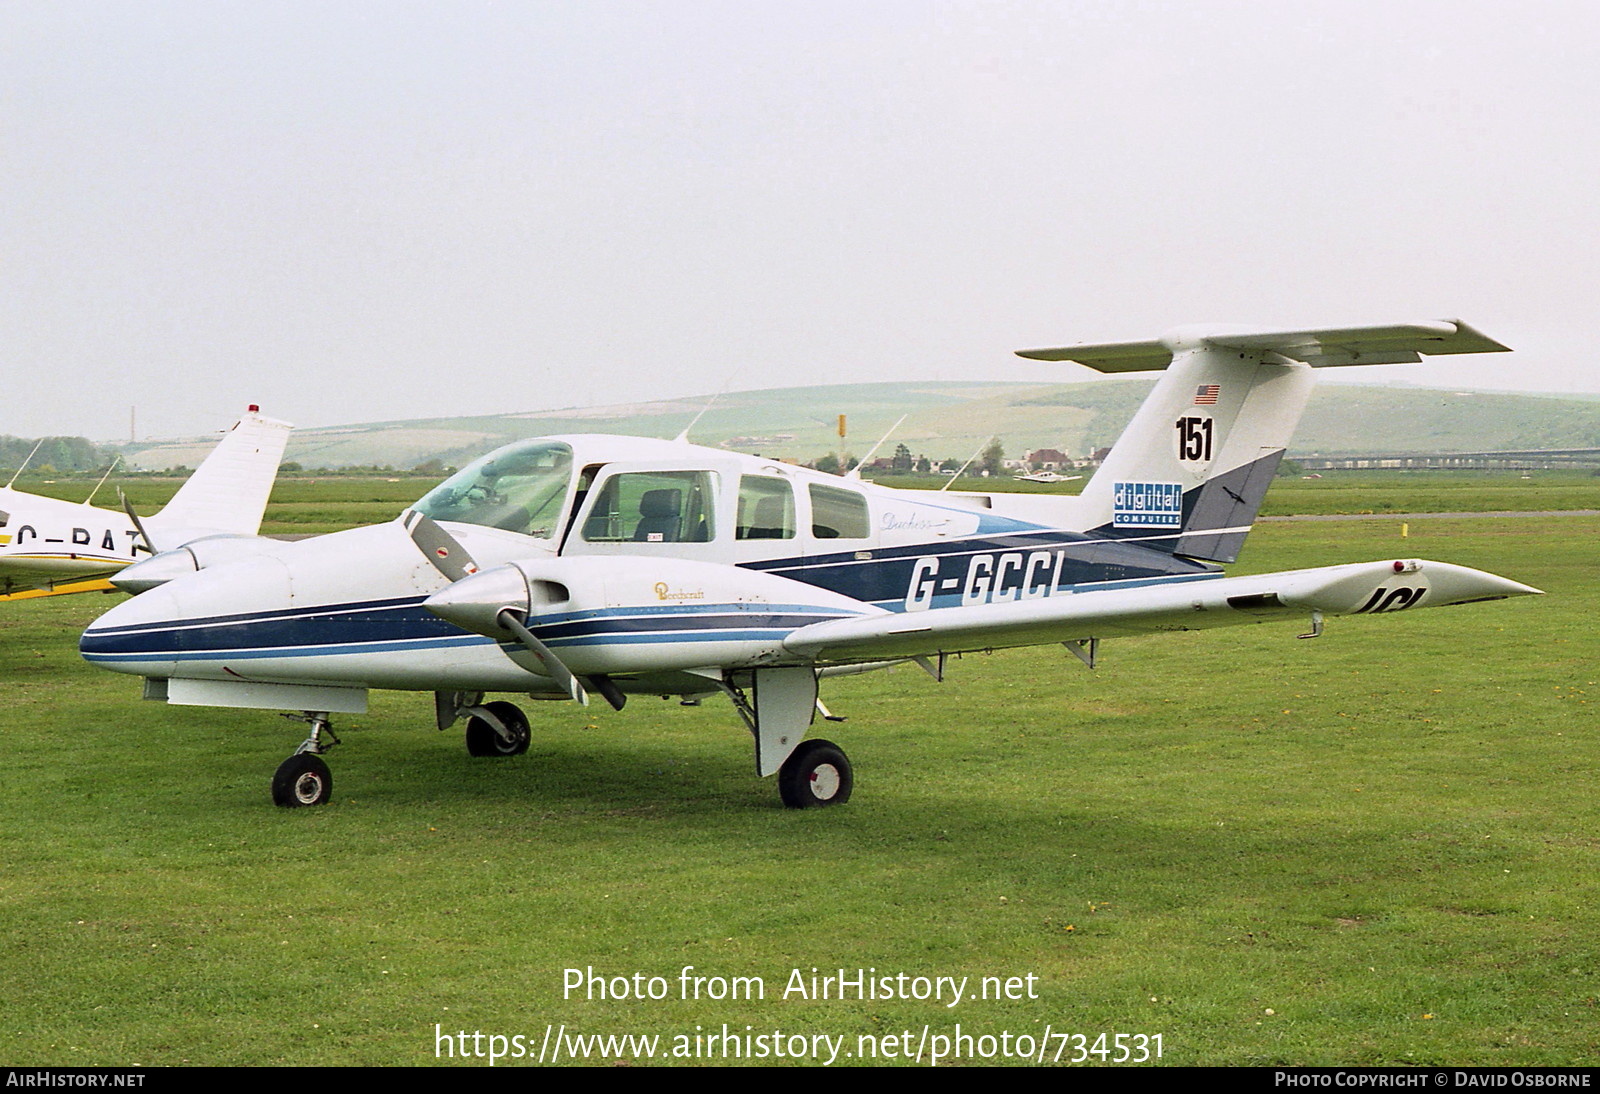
(947, 420)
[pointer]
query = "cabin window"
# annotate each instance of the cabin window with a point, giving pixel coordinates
(838, 514)
(521, 488)
(766, 508)
(653, 507)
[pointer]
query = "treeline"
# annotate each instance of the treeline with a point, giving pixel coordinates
(64, 454)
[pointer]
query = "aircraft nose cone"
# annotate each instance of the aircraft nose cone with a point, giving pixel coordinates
(474, 603)
(129, 637)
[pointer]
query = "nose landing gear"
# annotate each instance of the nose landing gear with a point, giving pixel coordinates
(304, 779)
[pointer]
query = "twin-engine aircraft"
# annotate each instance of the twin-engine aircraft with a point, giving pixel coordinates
(50, 546)
(572, 565)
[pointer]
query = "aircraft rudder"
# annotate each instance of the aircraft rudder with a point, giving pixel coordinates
(1190, 471)
(228, 492)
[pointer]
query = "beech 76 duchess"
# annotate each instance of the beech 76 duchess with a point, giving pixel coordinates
(568, 565)
(48, 545)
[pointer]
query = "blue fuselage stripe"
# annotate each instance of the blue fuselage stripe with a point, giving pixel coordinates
(984, 569)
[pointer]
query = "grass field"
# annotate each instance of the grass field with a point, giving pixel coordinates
(1379, 847)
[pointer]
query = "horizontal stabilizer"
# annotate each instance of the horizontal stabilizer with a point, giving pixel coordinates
(1381, 345)
(1356, 589)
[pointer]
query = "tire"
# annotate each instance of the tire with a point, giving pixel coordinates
(815, 774)
(303, 779)
(483, 740)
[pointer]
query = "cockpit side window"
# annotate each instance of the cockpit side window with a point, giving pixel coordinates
(653, 507)
(838, 514)
(522, 488)
(766, 508)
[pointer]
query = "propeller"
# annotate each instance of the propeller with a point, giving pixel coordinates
(552, 664)
(484, 602)
(127, 507)
(438, 546)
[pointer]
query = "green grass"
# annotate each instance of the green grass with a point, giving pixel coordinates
(1434, 492)
(1385, 837)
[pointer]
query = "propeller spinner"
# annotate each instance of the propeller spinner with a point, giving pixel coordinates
(494, 602)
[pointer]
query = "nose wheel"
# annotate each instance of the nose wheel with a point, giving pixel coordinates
(304, 779)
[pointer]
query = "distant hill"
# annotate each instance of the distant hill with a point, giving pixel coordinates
(946, 420)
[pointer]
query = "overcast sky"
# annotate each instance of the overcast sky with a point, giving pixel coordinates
(349, 212)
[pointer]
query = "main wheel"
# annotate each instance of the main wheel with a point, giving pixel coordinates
(302, 779)
(816, 773)
(484, 740)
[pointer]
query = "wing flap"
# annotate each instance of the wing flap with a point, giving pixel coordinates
(1359, 588)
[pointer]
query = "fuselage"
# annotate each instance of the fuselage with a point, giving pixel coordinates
(46, 542)
(667, 559)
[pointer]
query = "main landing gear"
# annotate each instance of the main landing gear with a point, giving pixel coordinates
(497, 729)
(816, 773)
(304, 779)
(778, 705)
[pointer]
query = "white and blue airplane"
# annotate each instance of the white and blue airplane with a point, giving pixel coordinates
(570, 565)
(51, 546)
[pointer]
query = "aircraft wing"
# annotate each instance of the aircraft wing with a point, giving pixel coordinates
(1366, 587)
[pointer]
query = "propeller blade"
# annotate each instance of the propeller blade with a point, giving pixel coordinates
(138, 525)
(439, 547)
(552, 664)
(466, 603)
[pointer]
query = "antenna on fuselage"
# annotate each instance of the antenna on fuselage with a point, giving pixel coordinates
(25, 463)
(966, 465)
(103, 478)
(683, 438)
(855, 472)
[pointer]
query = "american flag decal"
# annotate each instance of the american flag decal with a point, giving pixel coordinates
(1206, 394)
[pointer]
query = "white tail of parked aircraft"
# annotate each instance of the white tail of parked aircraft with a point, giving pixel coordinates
(49, 546)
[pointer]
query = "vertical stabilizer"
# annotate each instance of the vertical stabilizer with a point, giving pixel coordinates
(228, 492)
(1190, 471)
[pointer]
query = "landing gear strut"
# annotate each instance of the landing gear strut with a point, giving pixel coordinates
(304, 779)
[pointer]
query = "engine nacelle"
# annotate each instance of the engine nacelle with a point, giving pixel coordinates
(193, 556)
(611, 612)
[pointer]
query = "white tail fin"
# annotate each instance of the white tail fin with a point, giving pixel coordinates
(1190, 471)
(228, 492)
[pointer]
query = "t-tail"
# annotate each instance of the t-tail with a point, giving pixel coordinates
(1190, 471)
(228, 492)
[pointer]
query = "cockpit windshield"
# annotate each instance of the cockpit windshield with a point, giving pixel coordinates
(520, 488)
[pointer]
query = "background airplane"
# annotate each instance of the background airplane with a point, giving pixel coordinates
(564, 566)
(49, 546)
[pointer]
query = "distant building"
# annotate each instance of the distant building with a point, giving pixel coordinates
(1047, 459)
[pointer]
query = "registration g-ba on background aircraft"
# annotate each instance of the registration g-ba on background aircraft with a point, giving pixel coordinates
(567, 565)
(47, 545)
